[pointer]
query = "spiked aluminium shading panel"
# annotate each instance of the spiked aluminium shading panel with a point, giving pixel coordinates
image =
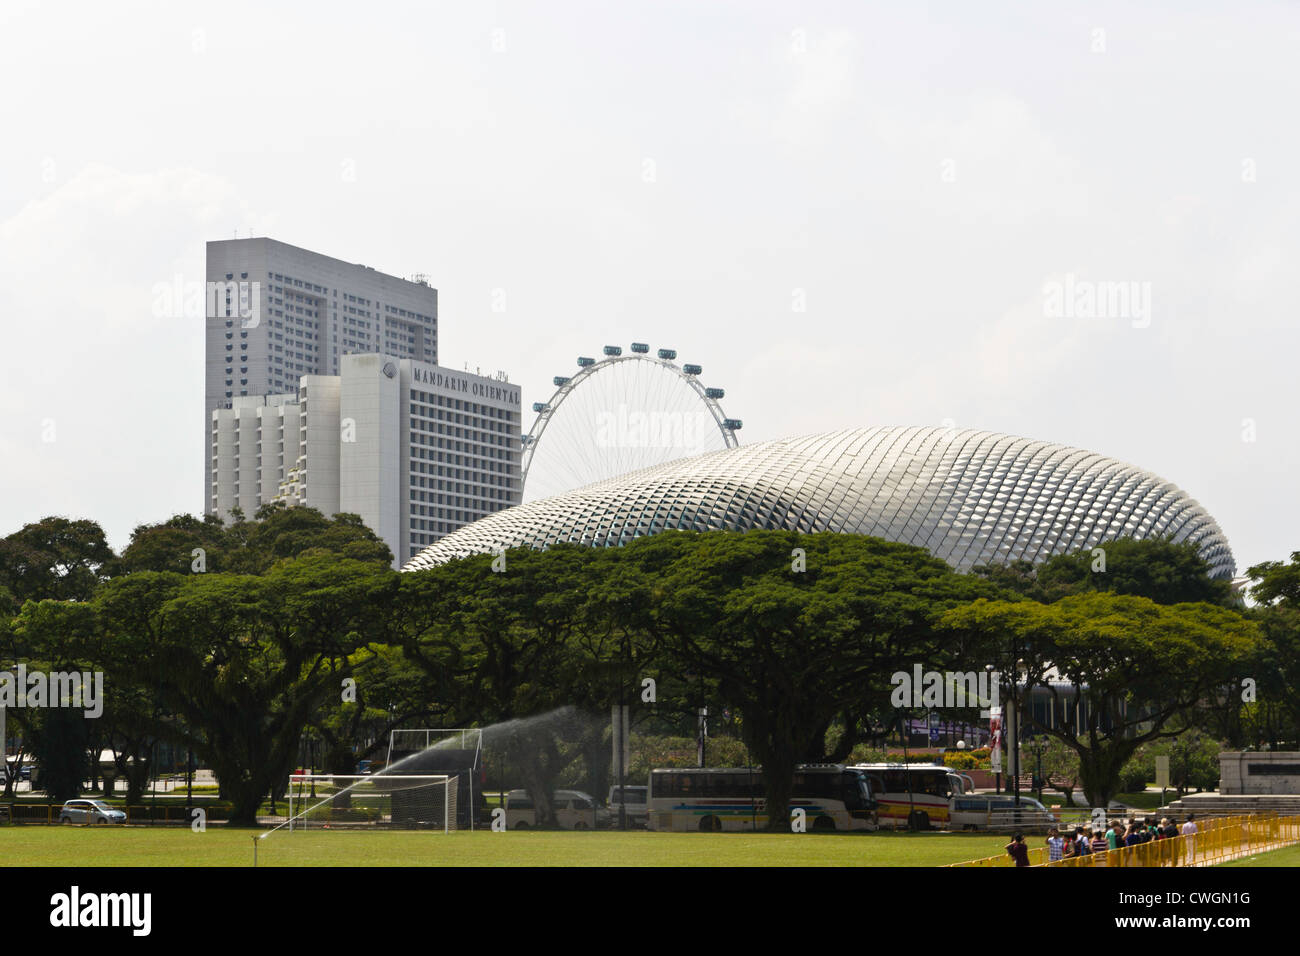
(970, 497)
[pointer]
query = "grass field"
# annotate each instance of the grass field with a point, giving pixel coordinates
(1287, 856)
(143, 846)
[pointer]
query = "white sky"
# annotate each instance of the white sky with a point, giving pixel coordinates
(913, 176)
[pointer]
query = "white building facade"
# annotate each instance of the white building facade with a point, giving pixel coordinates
(414, 449)
(276, 313)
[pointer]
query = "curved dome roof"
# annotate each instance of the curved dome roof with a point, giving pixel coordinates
(970, 497)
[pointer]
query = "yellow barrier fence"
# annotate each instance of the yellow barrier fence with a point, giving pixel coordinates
(1217, 840)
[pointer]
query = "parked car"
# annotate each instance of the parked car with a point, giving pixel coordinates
(574, 810)
(90, 811)
(634, 801)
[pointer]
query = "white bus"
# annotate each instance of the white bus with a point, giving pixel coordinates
(833, 797)
(931, 788)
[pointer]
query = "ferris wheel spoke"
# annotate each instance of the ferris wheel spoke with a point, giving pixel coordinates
(620, 414)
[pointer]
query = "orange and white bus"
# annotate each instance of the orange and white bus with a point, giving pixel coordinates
(920, 790)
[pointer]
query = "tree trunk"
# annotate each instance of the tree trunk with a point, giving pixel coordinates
(778, 776)
(137, 775)
(599, 760)
(246, 798)
(1099, 770)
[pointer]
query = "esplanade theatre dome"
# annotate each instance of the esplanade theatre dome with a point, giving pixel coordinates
(970, 497)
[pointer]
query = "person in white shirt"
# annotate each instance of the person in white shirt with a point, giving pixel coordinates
(1189, 835)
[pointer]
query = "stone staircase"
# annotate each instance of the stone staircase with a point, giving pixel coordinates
(1219, 805)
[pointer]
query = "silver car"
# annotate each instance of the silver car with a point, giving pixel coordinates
(90, 811)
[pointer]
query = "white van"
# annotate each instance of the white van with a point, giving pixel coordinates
(635, 809)
(997, 811)
(574, 810)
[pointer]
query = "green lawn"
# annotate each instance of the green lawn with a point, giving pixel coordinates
(1146, 800)
(1287, 856)
(144, 846)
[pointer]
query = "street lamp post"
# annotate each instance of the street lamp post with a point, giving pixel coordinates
(1037, 744)
(1015, 730)
(995, 742)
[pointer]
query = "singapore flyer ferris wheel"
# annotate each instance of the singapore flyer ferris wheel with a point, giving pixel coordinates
(621, 413)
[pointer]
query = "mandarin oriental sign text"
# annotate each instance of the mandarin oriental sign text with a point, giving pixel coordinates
(467, 384)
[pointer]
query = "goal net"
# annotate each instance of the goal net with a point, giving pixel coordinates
(456, 752)
(378, 801)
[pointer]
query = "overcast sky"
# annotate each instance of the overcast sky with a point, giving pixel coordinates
(848, 213)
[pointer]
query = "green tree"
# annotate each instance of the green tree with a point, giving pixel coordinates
(1137, 667)
(1164, 571)
(1273, 716)
(56, 558)
(1160, 569)
(1275, 583)
(279, 532)
(390, 692)
(794, 648)
(1272, 713)
(245, 660)
(1060, 767)
(171, 546)
(497, 646)
(249, 547)
(55, 636)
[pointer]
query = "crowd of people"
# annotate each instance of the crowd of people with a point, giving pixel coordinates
(1105, 842)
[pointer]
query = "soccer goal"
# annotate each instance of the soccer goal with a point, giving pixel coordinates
(376, 801)
(454, 751)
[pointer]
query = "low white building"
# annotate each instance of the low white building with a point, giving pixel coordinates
(415, 449)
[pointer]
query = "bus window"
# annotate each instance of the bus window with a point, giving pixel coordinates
(857, 791)
(932, 783)
(734, 783)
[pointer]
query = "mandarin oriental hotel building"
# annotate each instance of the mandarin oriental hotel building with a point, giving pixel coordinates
(416, 450)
